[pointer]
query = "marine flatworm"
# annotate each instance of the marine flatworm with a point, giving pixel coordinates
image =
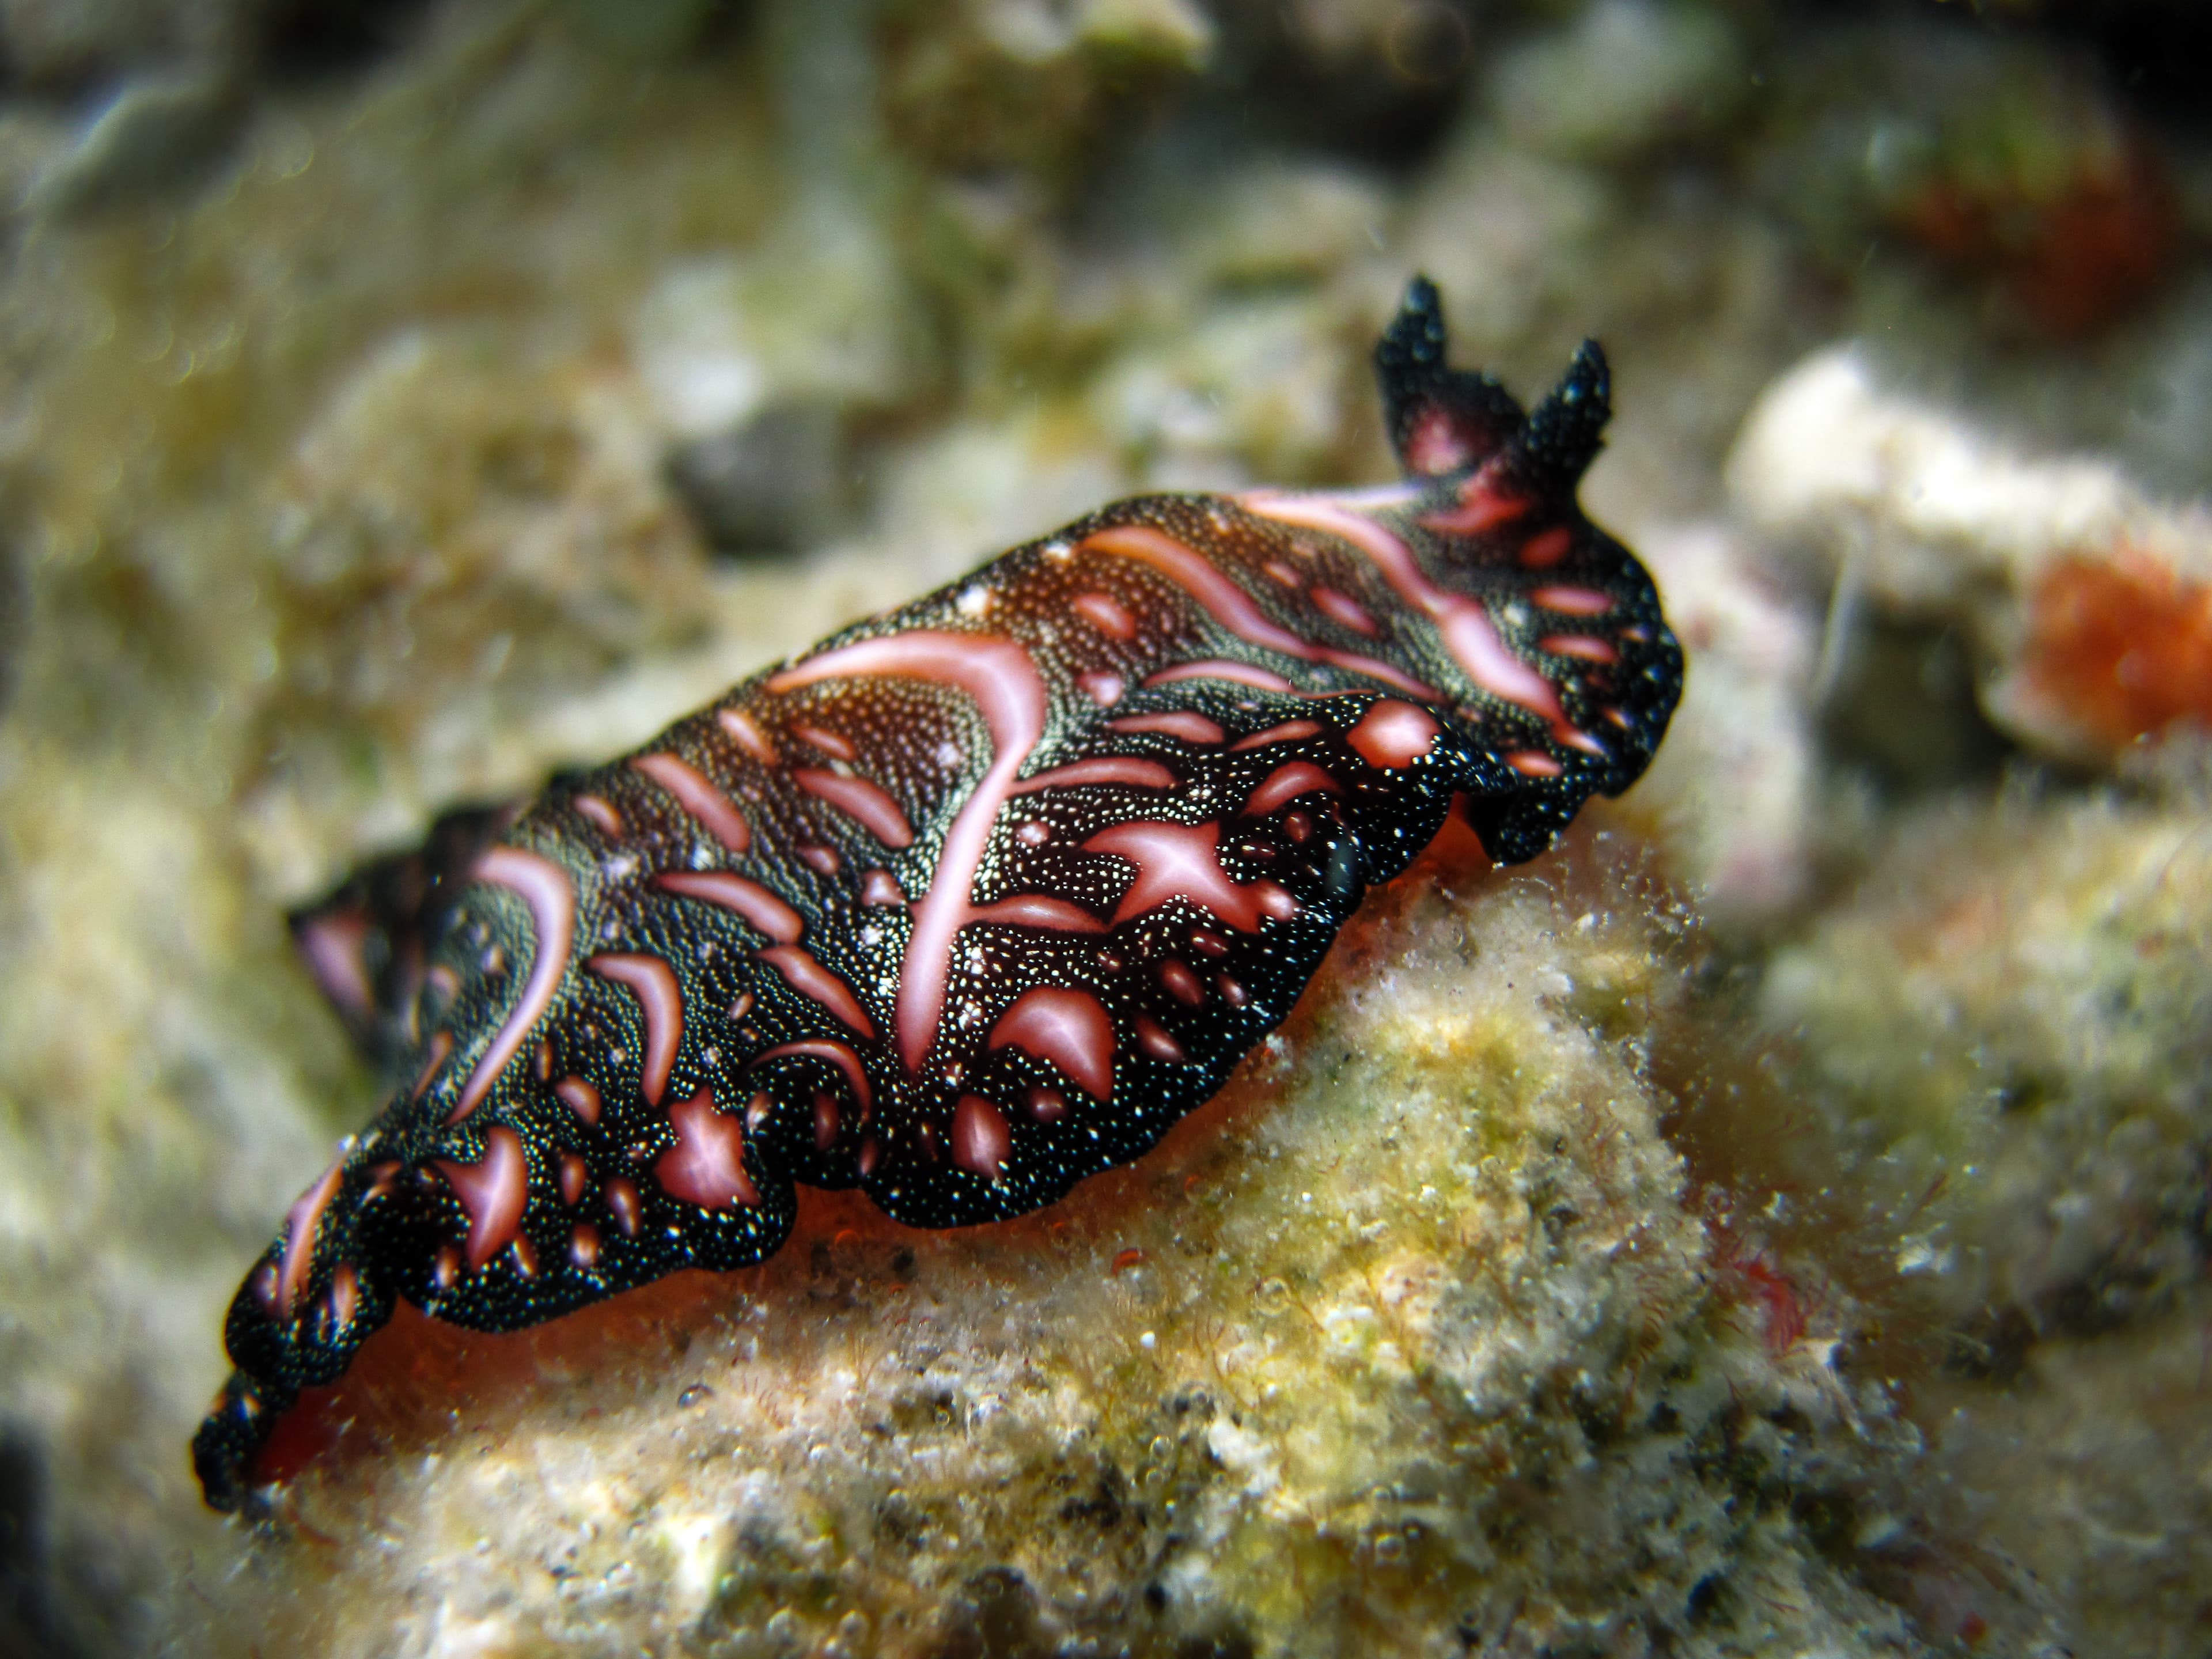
(976, 898)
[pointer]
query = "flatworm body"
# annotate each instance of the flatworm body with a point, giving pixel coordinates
(978, 897)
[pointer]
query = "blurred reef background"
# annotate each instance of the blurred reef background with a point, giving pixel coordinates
(1775, 1223)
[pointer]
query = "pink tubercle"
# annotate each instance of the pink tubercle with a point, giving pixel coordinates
(1276, 571)
(345, 1295)
(1218, 668)
(1181, 984)
(545, 887)
(579, 1098)
(1047, 1105)
(982, 1142)
(826, 859)
(1102, 769)
(829, 742)
(575, 1178)
(1464, 623)
(706, 804)
(810, 979)
(1543, 551)
(622, 1200)
(706, 1164)
(1341, 607)
(1572, 601)
(999, 675)
(767, 913)
(1183, 860)
(880, 887)
(1105, 613)
(1287, 783)
(871, 1155)
(1153, 1038)
(1534, 764)
(866, 803)
(1583, 646)
(744, 731)
(1176, 723)
(1288, 732)
(1437, 444)
(1101, 688)
(1392, 734)
(492, 1190)
(300, 1224)
(826, 1123)
(584, 1245)
(1041, 910)
(652, 982)
(600, 813)
(1064, 1028)
(840, 1054)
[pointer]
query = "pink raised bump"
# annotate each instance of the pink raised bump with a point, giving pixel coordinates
(709, 806)
(1464, 623)
(301, 1223)
(982, 1143)
(1287, 783)
(1103, 689)
(1105, 613)
(544, 886)
(1183, 860)
(827, 742)
(838, 1054)
(744, 731)
(1534, 764)
(1152, 1037)
(1278, 571)
(1000, 677)
(1105, 769)
(575, 1176)
(1288, 732)
(434, 1060)
(1437, 444)
(1176, 723)
(1215, 668)
(600, 812)
(823, 858)
(1541, 552)
(706, 1164)
(345, 1294)
(1572, 601)
(1067, 1028)
(867, 804)
(652, 982)
(810, 979)
(881, 887)
(1393, 734)
(492, 1191)
(1040, 911)
(1343, 608)
(1583, 646)
(623, 1199)
(579, 1098)
(768, 914)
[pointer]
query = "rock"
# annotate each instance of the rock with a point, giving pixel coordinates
(2088, 603)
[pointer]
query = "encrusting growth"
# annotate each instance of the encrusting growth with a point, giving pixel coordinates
(981, 895)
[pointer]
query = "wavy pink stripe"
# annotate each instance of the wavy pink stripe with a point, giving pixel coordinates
(1041, 910)
(1288, 732)
(545, 887)
(1176, 723)
(704, 802)
(810, 979)
(1104, 769)
(1220, 668)
(301, 1223)
(1287, 783)
(837, 1053)
(1000, 677)
(864, 802)
(767, 913)
(652, 982)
